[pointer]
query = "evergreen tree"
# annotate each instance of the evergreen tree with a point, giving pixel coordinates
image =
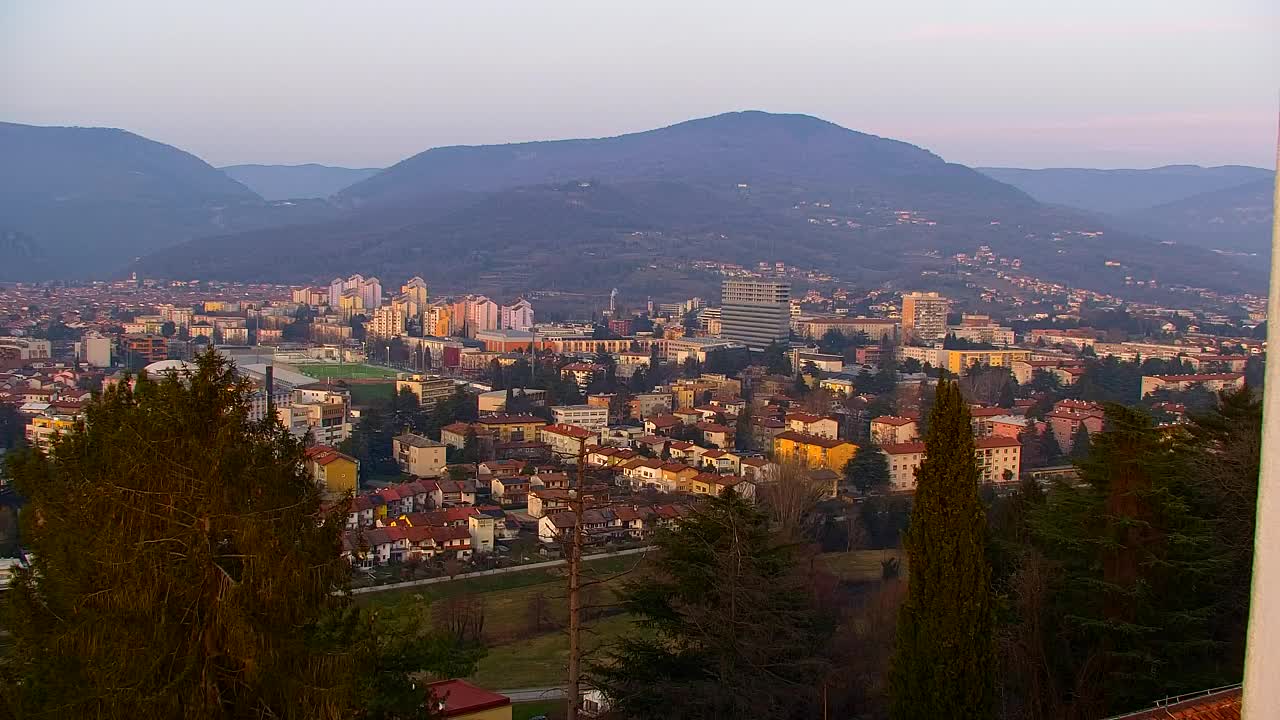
(775, 359)
(1134, 593)
(471, 446)
(736, 631)
(867, 470)
(1221, 458)
(743, 435)
(1080, 444)
(182, 564)
(944, 662)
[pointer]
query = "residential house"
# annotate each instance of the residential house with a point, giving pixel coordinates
(810, 424)
(999, 460)
(893, 430)
(1213, 382)
(419, 455)
(566, 441)
(812, 451)
(1066, 418)
(544, 501)
(336, 473)
(716, 435)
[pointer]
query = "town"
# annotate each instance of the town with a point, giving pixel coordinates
(464, 429)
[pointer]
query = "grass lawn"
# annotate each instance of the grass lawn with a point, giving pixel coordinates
(543, 661)
(367, 394)
(860, 565)
(553, 709)
(345, 370)
(508, 598)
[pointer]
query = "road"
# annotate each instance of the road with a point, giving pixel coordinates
(524, 695)
(499, 571)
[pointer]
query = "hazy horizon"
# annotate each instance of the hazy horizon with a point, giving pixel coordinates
(1144, 85)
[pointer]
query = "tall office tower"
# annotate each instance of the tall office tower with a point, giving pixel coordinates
(924, 316)
(755, 312)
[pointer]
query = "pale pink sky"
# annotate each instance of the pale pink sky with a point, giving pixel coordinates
(1103, 83)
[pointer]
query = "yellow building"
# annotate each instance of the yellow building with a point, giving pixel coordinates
(812, 451)
(957, 361)
(677, 475)
(41, 431)
(333, 471)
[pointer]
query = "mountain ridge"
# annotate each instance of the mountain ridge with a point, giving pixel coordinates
(740, 187)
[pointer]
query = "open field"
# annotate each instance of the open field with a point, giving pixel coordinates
(860, 565)
(510, 599)
(371, 393)
(543, 660)
(522, 656)
(322, 371)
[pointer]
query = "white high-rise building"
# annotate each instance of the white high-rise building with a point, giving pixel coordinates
(924, 316)
(370, 291)
(518, 315)
(755, 312)
(387, 321)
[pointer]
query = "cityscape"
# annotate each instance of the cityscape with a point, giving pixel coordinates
(408, 361)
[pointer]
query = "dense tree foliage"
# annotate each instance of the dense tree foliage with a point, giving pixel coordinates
(1123, 569)
(182, 564)
(868, 470)
(736, 630)
(185, 568)
(944, 662)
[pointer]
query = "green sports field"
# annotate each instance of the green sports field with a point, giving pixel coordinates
(344, 371)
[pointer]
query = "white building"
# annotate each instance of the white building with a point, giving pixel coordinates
(924, 316)
(517, 316)
(588, 417)
(95, 349)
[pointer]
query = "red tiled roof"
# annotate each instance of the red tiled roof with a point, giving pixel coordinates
(909, 448)
(572, 431)
(996, 441)
(807, 439)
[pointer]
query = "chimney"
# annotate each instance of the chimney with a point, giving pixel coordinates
(271, 388)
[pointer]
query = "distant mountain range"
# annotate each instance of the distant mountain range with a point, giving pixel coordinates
(288, 182)
(80, 201)
(1223, 208)
(628, 211)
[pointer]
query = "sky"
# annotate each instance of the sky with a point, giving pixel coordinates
(1090, 83)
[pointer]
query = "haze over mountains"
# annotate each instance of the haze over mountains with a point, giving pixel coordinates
(1225, 208)
(581, 214)
(80, 201)
(286, 182)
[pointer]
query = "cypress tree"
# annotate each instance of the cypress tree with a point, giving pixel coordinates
(944, 661)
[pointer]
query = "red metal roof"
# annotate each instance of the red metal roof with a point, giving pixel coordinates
(462, 698)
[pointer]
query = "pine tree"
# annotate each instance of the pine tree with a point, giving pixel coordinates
(867, 470)
(182, 563)
(1138, 574)
(944, 662)
(735, 629)
(1221, 457)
